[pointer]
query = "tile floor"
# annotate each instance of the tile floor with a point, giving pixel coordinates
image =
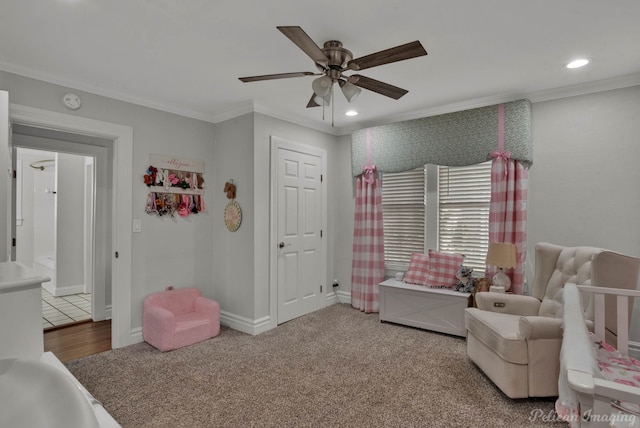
(58, 311)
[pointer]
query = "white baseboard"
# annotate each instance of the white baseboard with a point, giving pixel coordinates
(136, 336)
(245, 325)
(331, 299)
(634, 349)
(344, 297)
(58, 291)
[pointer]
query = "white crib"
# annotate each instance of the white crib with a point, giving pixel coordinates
(586, 397)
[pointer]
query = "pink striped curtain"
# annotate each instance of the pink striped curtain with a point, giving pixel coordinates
(367, 267)
(508, 207)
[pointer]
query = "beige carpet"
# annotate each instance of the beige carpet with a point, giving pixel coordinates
(336, 367)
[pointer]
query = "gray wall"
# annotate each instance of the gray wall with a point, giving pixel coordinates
(5, 168)
(242, 152)
(69, 227)
(233, 259)
(168, 251)
(265, 127)
(345, 210)
(583, 186)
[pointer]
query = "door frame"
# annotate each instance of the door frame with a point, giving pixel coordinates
(278, 143)
(97, 225)
(122, 212)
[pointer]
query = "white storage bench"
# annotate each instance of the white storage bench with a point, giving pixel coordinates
(435, 309)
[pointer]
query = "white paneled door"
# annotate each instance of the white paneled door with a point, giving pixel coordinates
(299, 233)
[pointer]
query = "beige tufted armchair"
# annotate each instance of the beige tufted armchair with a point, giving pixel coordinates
(515, 340)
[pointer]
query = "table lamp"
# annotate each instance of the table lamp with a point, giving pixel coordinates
(501, 255)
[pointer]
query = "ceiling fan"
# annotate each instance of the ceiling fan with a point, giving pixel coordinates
(333, 60)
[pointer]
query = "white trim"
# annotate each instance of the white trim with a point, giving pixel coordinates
(245, 325)
(344, 297)
(237, 111)
(122, 136)
(534, 97)
(331, 299)
(105, 92)
(634, 349)
(136, 335)
(250, 106)
(276, 144)
(56, 291)
(298, 120)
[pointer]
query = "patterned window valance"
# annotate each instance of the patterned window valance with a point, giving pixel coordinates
(453, 139)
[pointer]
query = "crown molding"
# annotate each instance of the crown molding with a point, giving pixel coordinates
(585, 88)
(108, 93)
(534, 97)
(236, 111)
(298, 120)
(250, 106)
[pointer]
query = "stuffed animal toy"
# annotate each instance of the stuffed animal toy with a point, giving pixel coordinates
(483, 284)
(230, 190)
(466, 283)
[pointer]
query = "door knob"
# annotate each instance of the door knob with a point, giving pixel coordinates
(281, 245)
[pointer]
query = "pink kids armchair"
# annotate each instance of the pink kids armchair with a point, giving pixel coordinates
(175, 318)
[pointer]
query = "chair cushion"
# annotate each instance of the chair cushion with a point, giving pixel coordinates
(191, 320)
(573, 265)
(499, 332)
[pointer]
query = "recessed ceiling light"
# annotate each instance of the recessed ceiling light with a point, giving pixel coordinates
(578, 63)
(351, 113)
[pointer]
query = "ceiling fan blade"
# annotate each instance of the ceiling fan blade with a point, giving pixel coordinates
(303, 41)
(398, 53)
(312, 101)
(277, 76)
(377, 86)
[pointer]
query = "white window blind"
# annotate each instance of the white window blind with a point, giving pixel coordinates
(462, 200)
(403, 209)
(464, 194)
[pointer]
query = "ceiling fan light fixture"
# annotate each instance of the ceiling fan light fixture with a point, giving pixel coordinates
(322, 86)
(349, 90)
(326, 100)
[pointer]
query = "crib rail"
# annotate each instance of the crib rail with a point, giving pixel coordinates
(622, 308)
(596, 399)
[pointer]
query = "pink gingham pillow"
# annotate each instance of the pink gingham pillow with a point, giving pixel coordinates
(418, 269)
(443, 268)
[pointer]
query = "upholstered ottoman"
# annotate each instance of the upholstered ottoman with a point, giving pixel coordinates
(175, 318)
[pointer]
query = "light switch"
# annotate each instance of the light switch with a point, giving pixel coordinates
(137, 226)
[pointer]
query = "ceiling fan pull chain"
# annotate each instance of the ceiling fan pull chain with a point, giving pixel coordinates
(333, 105)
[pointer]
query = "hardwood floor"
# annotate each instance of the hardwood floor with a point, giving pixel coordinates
(78, 340)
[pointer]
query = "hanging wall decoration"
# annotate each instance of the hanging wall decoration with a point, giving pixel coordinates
(232, 212)
(175, 186)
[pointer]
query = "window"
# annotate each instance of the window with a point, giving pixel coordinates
(403, 214)
(437, 207)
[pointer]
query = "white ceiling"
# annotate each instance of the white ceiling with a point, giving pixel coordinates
(186, 56)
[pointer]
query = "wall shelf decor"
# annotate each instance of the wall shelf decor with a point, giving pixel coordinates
(175, 185)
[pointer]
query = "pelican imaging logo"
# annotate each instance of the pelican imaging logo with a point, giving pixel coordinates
(615, 418)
